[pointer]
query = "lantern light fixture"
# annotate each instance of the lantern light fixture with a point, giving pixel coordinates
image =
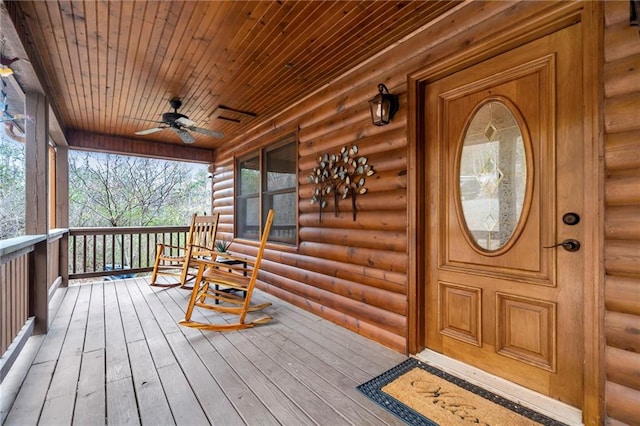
(383, 106)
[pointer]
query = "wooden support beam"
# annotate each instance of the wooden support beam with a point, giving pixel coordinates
(86, 141)
(37, 204)
(62, 187)
(62, 208)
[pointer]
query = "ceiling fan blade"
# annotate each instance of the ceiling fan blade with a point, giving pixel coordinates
(185, 136)
(207, 132)
(184, 121)
(149, 131)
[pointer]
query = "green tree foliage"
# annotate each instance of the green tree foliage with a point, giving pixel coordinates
(115, 190)
(12, 188)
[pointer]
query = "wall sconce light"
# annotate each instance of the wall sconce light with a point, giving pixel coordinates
(383, 106)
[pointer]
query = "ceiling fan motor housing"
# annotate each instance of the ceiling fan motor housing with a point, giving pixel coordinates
(175, 104)
(171, 118)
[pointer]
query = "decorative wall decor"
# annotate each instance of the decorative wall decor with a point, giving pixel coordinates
(341, 174)
(322, 176)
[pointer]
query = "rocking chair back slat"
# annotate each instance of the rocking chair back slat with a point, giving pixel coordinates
(203, 233)
(178, 261)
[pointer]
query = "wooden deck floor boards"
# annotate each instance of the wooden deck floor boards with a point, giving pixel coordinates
(116, 355)
(94, 337)
(90, 405)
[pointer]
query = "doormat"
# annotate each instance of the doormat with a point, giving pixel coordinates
(421, 394)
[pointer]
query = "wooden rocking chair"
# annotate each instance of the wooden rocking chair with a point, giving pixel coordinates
(177, 261)
(221, 281)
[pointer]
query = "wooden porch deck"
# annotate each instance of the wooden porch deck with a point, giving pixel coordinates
(115, 355)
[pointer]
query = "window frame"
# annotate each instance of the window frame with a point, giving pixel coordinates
(262, 155)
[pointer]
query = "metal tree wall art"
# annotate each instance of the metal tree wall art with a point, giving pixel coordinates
(322, 178)
(352, 174)
(341, 174)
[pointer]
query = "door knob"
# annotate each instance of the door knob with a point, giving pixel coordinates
(568, 244)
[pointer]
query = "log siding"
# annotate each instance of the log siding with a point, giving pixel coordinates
(622, 215)
(356, 273)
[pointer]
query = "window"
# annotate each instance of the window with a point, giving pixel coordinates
(267, 179)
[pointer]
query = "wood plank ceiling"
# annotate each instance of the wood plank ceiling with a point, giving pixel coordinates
(111, 64)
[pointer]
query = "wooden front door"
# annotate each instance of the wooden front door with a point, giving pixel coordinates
(504, 181)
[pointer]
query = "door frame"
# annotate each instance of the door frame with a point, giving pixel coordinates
(522, 28)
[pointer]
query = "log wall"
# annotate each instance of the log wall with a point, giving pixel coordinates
(622, 215)
(355, 273)
(351, 272)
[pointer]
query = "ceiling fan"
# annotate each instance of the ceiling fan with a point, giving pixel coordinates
(180, 124)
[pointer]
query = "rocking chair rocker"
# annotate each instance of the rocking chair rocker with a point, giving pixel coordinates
(177, 261)
(230, 285)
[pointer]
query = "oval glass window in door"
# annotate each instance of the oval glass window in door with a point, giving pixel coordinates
(493, 176)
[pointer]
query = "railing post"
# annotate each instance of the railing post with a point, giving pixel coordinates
(38, 287)
(37, 214)
(62, 209)
(64, 259)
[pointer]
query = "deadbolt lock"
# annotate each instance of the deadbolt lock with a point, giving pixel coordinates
(571, 219)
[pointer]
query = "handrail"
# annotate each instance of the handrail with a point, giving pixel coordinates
(16, 244)
(57, 233)
(113, 230)
(11, 245)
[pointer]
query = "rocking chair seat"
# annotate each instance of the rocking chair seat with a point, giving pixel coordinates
(170, 258)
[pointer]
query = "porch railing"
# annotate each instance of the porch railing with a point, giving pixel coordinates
(23, 291)
(119, 252)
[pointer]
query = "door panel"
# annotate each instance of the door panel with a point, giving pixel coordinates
(503, 144)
